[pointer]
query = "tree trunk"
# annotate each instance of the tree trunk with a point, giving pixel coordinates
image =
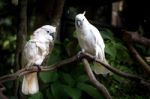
(21, 38)
(49, 12)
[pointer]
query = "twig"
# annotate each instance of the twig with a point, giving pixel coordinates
(66, 61)
(70, 60)
(2, 88)
(130, 38)
(122, 74)
(135, 37)
(34, 69)
(2, 96)
(101, 88)
(139, 59)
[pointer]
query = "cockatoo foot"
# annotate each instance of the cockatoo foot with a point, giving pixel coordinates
(79, 54)
(94, 58)
(38, 66)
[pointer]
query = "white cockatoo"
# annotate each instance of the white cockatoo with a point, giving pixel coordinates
(34, 52)
(91, 41)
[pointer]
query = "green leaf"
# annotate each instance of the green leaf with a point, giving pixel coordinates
(89, 90)
(71, 47)
(82, 78)
(68, 79)
(118, 78)
(55, 55)
(75, 34)
(107, 34)
(74, 93)
(6, 44)
(49, 76)
(57, 90)
(110, 49)
(12, 97)
(49, 94)
(122, 52)
(38, 95)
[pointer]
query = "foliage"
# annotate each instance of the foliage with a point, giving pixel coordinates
(71, 81)
(7, 39)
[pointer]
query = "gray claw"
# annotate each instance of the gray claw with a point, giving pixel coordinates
(38, 66)
(79, 54)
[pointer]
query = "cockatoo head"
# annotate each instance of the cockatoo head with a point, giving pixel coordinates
(80, 19)
(45, 33)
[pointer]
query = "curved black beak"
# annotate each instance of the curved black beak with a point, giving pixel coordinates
(78, 23)
(52, 34)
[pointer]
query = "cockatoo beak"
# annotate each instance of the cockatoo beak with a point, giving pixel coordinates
(79, 23)
(53, 35)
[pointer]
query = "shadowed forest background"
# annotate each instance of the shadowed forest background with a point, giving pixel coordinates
(124, 26)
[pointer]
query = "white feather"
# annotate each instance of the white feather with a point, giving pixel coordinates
(91, 41)
(34, 52)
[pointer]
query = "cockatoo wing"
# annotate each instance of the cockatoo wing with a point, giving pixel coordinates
(34, 52)
(99, 43)
(28, 60)
(51, 45)
(28, 54)
(100, 54)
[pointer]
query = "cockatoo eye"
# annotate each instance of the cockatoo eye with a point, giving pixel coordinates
(47, 31)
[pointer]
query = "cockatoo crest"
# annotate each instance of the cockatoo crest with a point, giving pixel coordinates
(91, 41)
(45, 33)
(84, 12)
(80, 19)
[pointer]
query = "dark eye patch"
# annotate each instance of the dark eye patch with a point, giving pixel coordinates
(78, 23)
(47, 31)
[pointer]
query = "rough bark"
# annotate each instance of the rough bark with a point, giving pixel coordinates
(21, 38)
(135, 37)
(22, 31)
(49, 12)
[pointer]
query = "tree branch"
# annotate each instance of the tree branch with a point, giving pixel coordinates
(2, 88)
(130, 38)
(135, 78)
(24, 71)
(101, 88)
(135, 37)
(139, 59)
(2, 96)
